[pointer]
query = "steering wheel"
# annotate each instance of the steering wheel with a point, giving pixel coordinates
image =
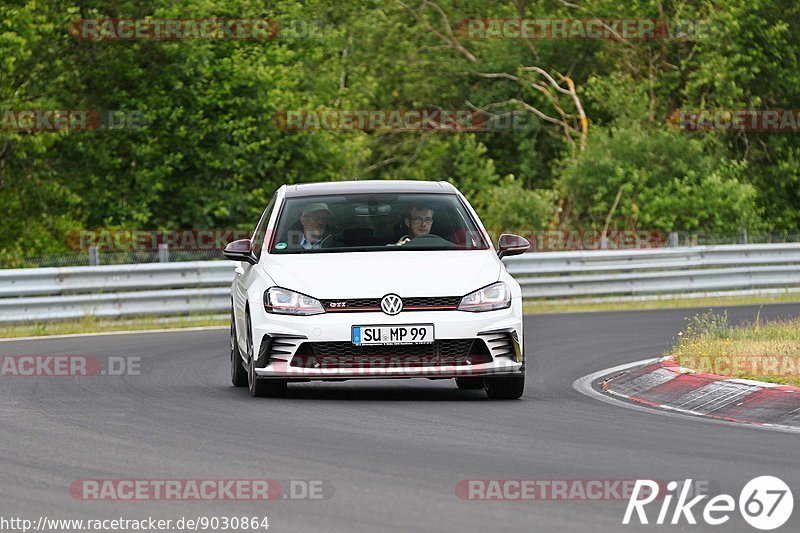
(429, 240)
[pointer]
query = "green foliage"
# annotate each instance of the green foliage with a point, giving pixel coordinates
(706, 325)
(667, 178)
(510, 207)
(211, 153)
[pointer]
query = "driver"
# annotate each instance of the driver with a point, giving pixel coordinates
(418, 221)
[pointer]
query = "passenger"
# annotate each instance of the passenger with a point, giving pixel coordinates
(314, 219)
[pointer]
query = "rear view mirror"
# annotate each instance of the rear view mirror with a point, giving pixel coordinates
(241, 250)
(510, 244)
(373, 210)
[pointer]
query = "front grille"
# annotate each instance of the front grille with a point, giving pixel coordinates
(413, 303)
(347, 355)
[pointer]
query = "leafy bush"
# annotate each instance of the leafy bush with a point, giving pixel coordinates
(669, 180)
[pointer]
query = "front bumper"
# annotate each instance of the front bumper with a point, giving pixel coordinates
(282, 341)
(281, 370)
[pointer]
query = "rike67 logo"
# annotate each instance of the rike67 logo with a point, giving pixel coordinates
(765, 503)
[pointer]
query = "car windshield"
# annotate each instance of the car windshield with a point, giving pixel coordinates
(375, 222)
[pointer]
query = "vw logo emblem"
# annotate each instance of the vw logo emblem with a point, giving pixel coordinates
(391, 304)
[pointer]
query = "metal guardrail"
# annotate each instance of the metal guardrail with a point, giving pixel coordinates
(37, 294)
(656, 273)
(145, 276)
(202, 287)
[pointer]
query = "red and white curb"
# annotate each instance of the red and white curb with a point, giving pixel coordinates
(666, 385)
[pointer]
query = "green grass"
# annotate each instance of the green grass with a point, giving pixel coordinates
(96, 325)
(764, 351)
(572, 306)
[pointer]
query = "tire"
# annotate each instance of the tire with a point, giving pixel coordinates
(505, 388)
(470, 383)
(238, 372)
(259, 388)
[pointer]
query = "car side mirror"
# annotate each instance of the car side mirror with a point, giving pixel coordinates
(241, 250)
(510, 244)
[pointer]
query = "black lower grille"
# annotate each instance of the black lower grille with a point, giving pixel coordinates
(348, 355)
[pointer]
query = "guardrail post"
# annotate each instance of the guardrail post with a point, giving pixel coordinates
(673, 239)
(163, 252)
(94, 256)
(742, 236)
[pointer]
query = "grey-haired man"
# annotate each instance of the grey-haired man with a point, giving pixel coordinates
(314, 219)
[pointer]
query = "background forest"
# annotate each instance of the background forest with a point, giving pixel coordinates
(597, 149)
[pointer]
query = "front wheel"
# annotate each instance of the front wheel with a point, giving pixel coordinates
(505, 388)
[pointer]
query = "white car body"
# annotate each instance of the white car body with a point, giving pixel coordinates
(267, 344)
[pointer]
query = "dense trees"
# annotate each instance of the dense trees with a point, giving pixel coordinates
(212, 152)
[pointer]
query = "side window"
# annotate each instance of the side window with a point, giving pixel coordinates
(261, 229)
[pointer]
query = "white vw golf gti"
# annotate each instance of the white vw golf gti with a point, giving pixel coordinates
(375, 279)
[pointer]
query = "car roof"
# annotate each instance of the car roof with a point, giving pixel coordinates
(368, 187)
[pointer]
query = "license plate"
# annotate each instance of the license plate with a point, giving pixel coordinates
(401, 334)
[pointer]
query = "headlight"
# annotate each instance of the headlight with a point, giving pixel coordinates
(286, 302)
(490, 298)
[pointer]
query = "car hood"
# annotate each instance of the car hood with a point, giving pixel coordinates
(374, 274)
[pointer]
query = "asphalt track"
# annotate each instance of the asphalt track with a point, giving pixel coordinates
(393, 451)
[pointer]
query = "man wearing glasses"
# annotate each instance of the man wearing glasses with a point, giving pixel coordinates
(418, 221)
